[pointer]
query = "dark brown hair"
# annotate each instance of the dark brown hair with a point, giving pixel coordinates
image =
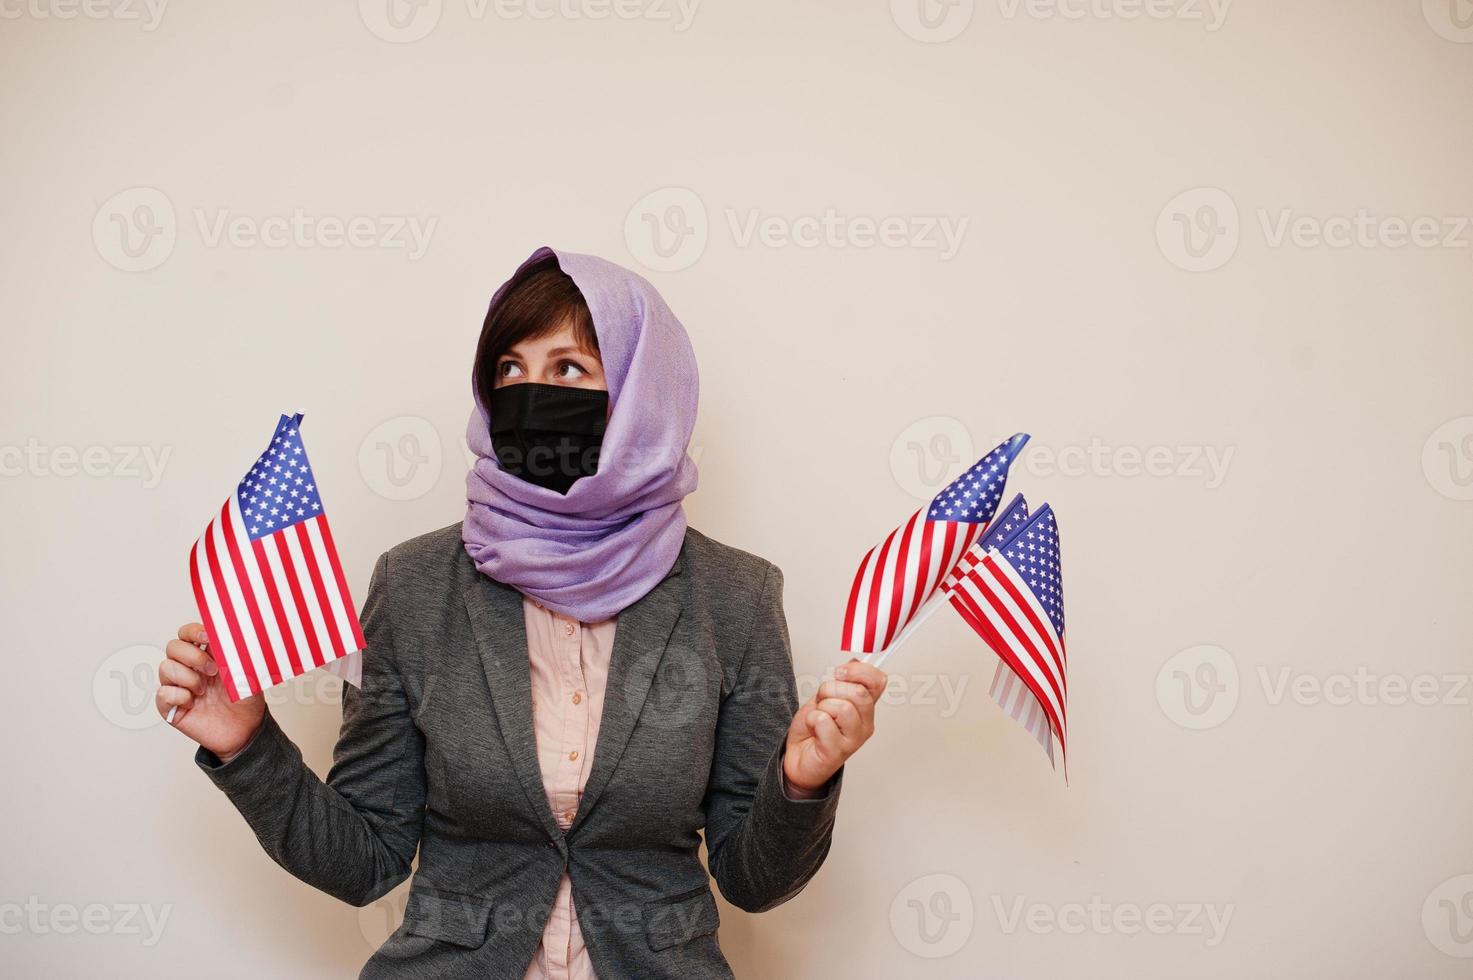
(540, 299)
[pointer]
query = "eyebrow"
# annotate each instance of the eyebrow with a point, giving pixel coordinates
(559, 351)
(555, 352)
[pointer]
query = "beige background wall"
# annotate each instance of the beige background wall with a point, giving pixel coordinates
(1216, 261)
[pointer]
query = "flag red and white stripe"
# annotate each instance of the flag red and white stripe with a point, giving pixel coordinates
(274, 608)
(1019, 704)
(993, 598)
(896, 583)
(898, 575)
(275, 603)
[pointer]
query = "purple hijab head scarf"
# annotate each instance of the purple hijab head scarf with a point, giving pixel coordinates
(614, 535)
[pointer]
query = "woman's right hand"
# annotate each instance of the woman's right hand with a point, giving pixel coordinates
(190, 681)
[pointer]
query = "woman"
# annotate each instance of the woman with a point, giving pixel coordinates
(561, 691)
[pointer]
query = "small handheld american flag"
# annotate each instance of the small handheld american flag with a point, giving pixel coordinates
(266, 575)
(1010, 589)
(899, 575)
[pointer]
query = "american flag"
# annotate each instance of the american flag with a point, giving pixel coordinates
(1010, 589)
(899, 575)
(266, 575)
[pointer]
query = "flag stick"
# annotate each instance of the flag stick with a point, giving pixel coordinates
(936, 601)
(174, 708)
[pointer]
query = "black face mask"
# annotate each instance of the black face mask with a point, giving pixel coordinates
(549, 435)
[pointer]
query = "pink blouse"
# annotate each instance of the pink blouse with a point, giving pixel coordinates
(570, 670)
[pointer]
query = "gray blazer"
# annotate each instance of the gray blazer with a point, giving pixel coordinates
(437, 754)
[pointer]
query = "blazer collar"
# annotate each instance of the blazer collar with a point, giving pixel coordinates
(640, 638)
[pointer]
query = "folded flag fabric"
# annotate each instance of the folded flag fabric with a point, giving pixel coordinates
(1008, 690)
(1009, 588)
(899, 576)
(267, 578)
(1008, 521)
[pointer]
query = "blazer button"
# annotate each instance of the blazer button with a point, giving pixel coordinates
(552, 843)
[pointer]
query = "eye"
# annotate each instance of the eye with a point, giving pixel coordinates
(509, 369)
(570, 370)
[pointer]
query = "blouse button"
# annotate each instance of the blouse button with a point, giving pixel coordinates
(573, 756)
(567, 629)
(577, 697)
(568, 815)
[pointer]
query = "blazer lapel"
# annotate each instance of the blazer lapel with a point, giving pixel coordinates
(640, 638)
(501, 639)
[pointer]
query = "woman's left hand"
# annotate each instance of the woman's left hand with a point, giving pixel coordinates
(831, 727)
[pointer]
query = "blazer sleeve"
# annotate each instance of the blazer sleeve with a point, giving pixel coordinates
(355, 835)
(762, 844)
